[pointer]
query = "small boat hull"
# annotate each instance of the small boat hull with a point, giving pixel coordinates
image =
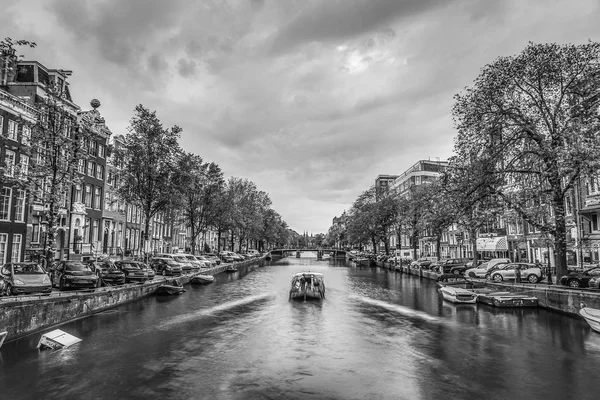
(307, 295)
(202, 279)
(169, 290)
(57, 339)
(507, 300)
(231, 269)
(592, 317)
(458, 295)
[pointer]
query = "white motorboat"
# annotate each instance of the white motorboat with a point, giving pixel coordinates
(458, 295)
(591, 316)
(307, 286)
(57, 339)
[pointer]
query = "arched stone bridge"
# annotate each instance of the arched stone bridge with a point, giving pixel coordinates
(335, 253)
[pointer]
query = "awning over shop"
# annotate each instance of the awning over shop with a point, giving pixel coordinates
(590, 209)
(497, 243)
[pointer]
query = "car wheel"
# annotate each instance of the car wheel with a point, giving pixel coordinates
(9, 290)
(574, 283)
(497, 278)
(456, 272)
(472, 274)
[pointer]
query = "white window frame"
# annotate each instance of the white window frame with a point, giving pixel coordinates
(9, 162)
(15, 255)
(26, 135)
(13, 129)
(2, 203)
(20, 206)
(24, 163)
(3, 245)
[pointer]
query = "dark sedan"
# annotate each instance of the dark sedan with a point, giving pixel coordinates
(580, 278)
(73, 274)
(133, 270)
(27, 277)
(108, 272)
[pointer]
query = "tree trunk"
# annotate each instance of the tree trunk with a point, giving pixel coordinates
(560, 238)
(415, 245)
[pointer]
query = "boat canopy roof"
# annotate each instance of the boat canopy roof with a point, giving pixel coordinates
(311, 274)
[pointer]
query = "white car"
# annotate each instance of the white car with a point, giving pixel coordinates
(481, 270)
(529, 272)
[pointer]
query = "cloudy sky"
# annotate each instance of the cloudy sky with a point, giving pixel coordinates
(310, 99)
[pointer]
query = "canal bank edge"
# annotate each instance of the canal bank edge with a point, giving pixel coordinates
(552, 297)
(25, 315)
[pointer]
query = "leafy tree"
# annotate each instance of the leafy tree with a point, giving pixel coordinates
(534, 118)
(148, 156)
(198, 184)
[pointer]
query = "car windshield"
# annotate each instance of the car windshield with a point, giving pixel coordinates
(131, 265)
(28, 269)
(76, 266)
(180, 259)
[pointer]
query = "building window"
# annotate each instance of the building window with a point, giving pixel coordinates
(20, 207)
(595, 222)
(88, 196)
(81, 166)
(35, 230)
(90, 168)
(128, 212)
(26, 135)
(86, 231)
(97, 198)
(16, 248)
(13, 128)
(100, 172)
(568, 206)
(5, 197)
(78, 194)
(101, 151)
(3, 243)
(24, 161)
(9, 163)
(95, 231)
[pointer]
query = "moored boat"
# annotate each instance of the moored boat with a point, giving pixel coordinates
(458, 295)
(231, 268)
(202, 279)
(170, 287)
(307, 286)
(591, 316)
(506, 299)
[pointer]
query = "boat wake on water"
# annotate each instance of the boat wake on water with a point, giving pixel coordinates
(180, 319)
(407, 311)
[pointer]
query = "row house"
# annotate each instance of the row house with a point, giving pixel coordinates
(15, 153)
(25, 85)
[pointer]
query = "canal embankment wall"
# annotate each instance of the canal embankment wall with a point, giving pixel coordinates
(23, 315)
(553, 297)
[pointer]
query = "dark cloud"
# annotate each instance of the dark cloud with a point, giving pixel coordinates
(186, 68)
(157, 63)
(341, 19)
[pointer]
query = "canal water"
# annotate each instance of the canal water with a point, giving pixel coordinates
(378, 335)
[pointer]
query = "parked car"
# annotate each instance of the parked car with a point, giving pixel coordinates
(581, 278)
(196, 262)
(482, 270)
(228, 256)
(166, 266)
(206, 261)
(26, 277)
(133, 270)
(73, 274)
(594, 282)
(213, 257)
(530, 272)
(186, 265)
(146, 267)
(423, 262)
(108, 272)
(453, 266)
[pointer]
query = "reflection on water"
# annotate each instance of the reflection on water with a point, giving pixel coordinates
(378, 335)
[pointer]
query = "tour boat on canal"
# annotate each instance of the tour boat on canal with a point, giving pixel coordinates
(307, 286)
(591, 316)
